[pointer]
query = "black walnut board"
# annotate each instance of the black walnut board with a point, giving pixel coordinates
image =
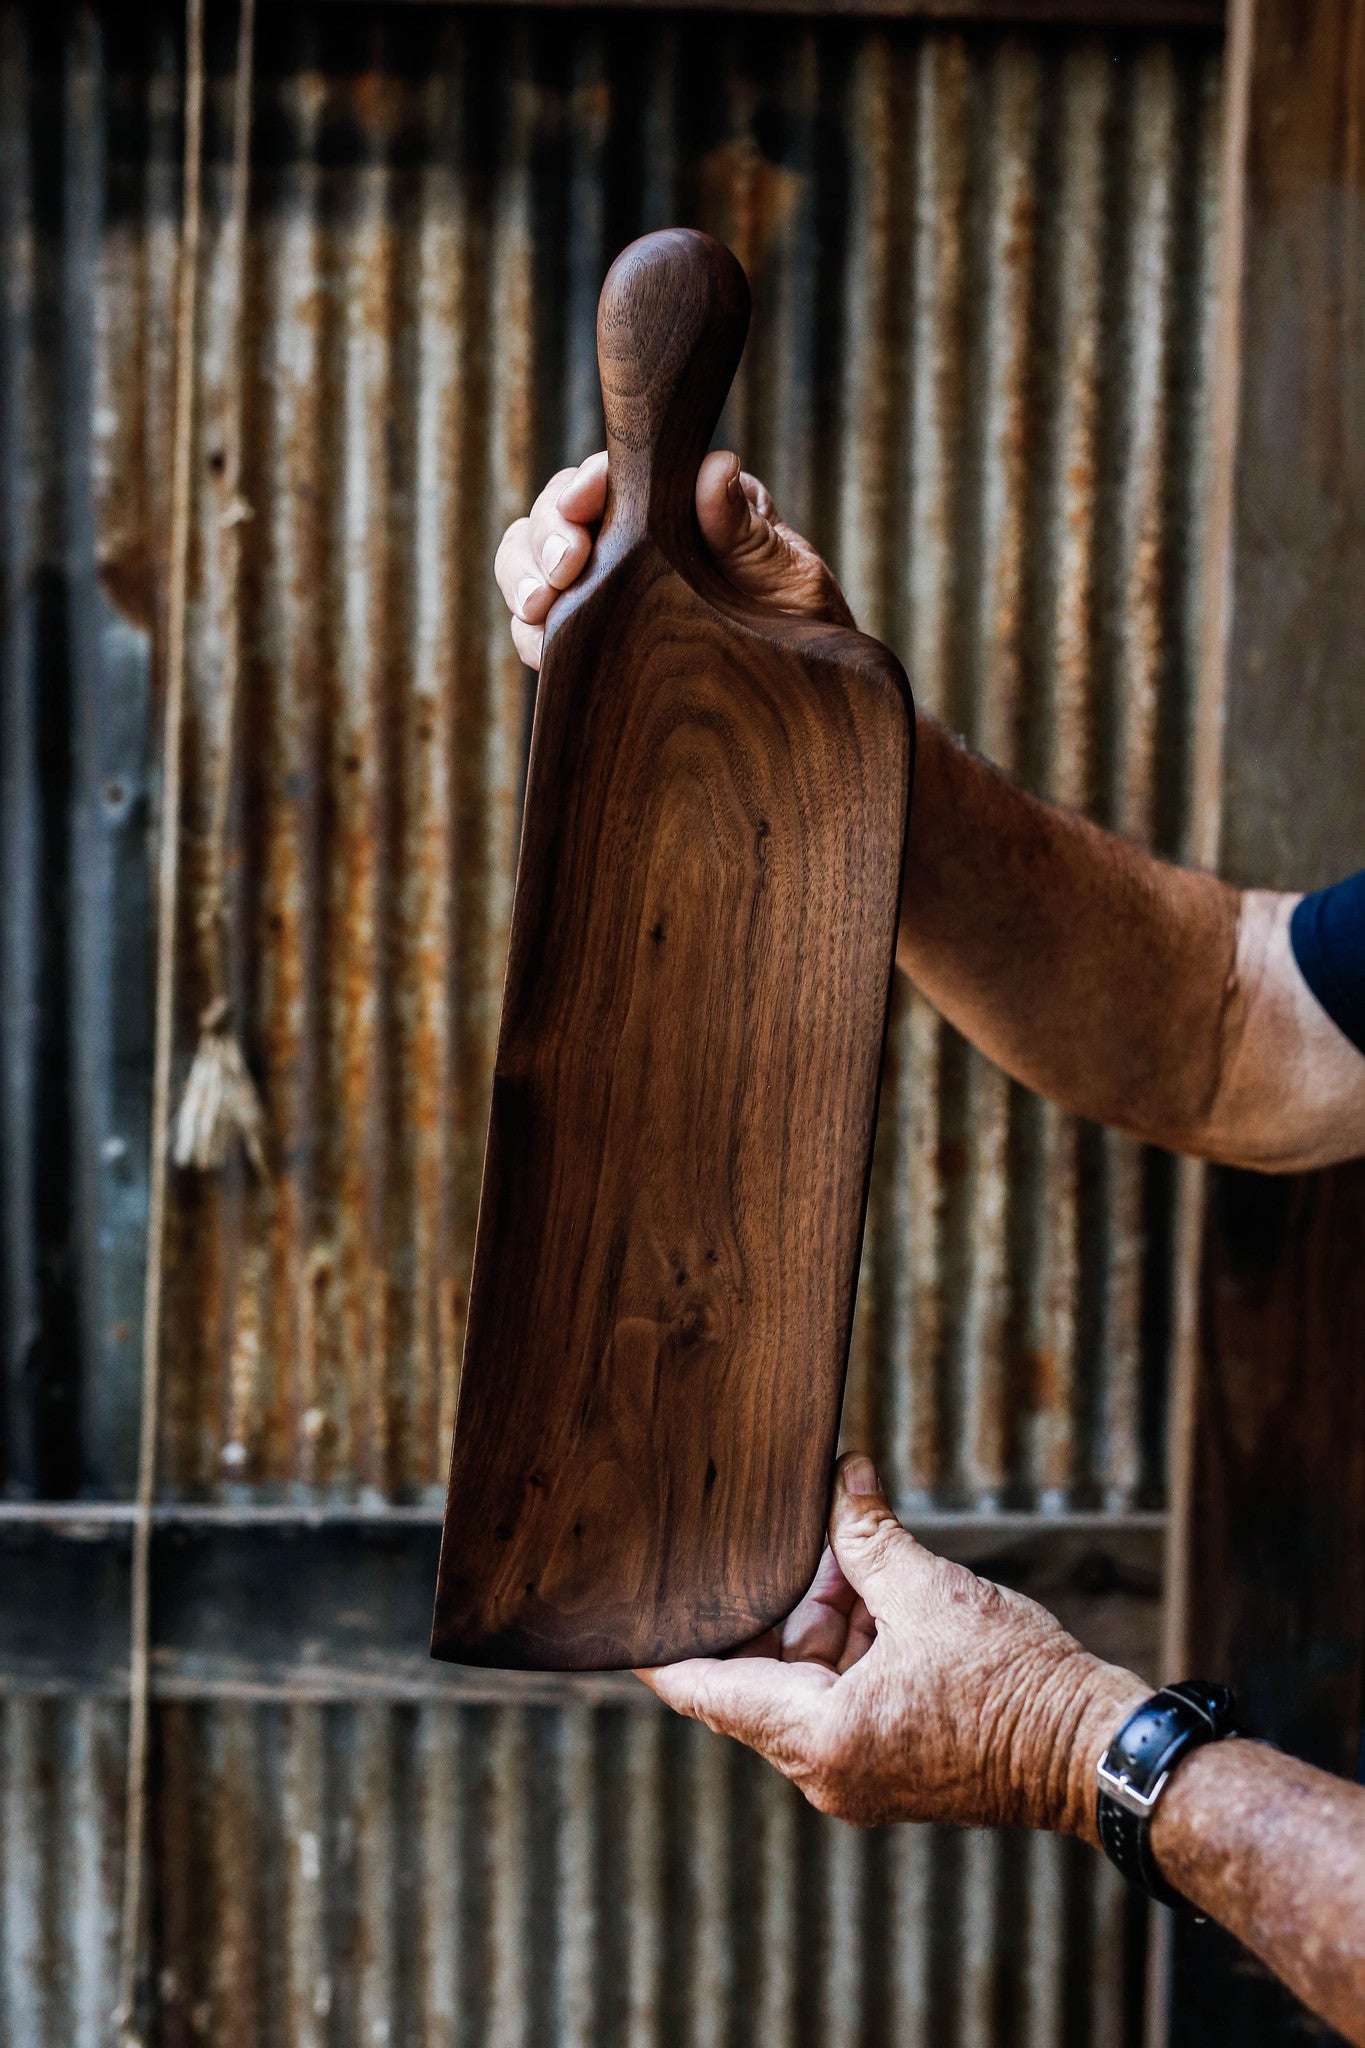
(686, 1077)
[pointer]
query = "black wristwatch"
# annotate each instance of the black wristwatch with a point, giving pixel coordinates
(1133, 1772)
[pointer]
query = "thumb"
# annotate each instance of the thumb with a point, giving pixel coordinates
(876, 1555)
(735, 516)
(755, 550)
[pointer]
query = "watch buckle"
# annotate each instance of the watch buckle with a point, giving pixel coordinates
(1126, 1794)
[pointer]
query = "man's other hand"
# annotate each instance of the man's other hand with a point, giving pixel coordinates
(904, 1687)
(543, 554)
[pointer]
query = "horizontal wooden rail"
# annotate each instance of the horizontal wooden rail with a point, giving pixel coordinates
(278, 1603)
(1106, 14)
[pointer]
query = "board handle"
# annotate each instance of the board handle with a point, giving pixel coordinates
(671, 324)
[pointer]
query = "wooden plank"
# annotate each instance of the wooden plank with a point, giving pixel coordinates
(685, 1088)
(1267, 1576)
(1294, 769)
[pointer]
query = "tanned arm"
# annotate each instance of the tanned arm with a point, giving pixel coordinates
(1275, 1851)
(1153, 998)
(1150, 997)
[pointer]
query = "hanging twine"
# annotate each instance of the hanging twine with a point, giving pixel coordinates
(220, 1107)
(133, 1910)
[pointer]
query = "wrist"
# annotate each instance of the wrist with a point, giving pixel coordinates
(1097, 1702)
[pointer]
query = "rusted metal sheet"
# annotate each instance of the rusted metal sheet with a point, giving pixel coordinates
(74, 683)
(982, 268)
(980, 274)
(61, 1818)
(587, 1876)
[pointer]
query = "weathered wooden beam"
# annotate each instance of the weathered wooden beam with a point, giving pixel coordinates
(1268, 1570)
(1104, 14)
(264, 1604)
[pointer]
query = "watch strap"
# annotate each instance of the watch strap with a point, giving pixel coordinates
(1133, 1772)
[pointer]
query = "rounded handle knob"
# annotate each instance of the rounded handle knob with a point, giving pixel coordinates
(671, 325)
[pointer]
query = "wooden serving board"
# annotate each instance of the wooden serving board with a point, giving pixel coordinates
(687, 1068)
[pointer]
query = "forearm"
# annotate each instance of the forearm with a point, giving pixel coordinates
(1275, 1851)
(1092, 972)
(1264, 1844)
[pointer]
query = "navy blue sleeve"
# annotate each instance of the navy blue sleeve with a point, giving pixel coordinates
(1327, 932)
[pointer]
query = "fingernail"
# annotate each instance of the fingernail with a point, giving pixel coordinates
(734, 486)
(553, 553)
(860, 1476)
(526, 590)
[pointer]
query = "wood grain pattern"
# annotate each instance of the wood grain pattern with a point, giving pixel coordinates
(686, 1077)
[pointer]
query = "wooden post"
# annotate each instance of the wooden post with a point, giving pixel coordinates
(1268, 1564)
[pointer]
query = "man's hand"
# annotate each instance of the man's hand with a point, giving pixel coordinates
(903, 1687)
(542, 554)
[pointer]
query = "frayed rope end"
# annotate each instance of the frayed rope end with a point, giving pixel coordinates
(220, 1104)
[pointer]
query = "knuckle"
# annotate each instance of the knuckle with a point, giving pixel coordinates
(989, 1599)
(759, 537)
(832, 1751)
(966, 1599)
(512, 537)
(831, 1793)
(545, 520)
(528, 641)
(820, 1794)
(759, 496)
(880, 1537)
(545, 503)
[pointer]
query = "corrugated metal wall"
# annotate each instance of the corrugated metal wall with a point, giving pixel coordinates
(596, 1878)
(982, 268)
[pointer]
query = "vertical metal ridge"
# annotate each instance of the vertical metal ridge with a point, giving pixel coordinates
(509, 2008)
(306, 1963)
(783, 428)
(869, 435)
(28, 1984)
(580, 1904)
(709, 1970)
(1115, 1912)
(994, 658)
(283, 551)
(379, 2004)
(593, 115)
(775, 1997)
(644, 1878)
(842, 1987)
(1073, 326)
(933, 396)
(911, 1862)
(235, 1985)
(1139, 638)
(21, 482)
(978, 1968)
(430, 857)
(360, 874)
(1045, 1941)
